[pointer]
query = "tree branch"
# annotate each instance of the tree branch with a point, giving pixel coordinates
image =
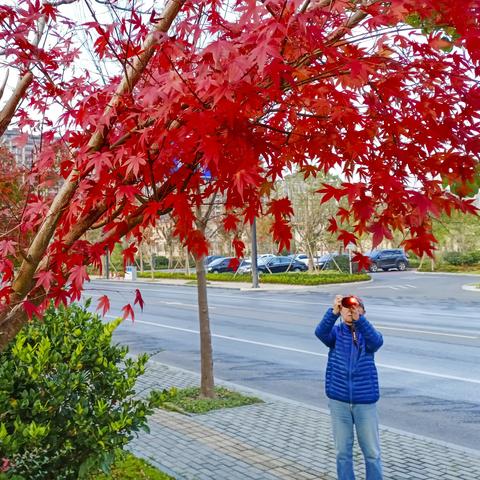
(23, 281)
(4, 83)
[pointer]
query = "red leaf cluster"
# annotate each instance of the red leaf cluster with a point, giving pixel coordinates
(225, 104)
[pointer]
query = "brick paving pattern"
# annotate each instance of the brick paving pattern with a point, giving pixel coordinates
(278, 440)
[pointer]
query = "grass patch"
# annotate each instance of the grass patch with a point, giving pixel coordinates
(281, 278)
(129, 467)
(188, 400)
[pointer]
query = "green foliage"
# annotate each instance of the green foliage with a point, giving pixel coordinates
(445, 267)
(462, 258)
(160, 261)
(67, 396)
(189, 400)
(413, 261)
(314, 278)
(282, 278)
(128, 467)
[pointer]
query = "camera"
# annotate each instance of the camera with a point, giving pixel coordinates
(350, 302)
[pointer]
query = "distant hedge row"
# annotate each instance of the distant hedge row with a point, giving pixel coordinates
(462, 258)
(282, 278)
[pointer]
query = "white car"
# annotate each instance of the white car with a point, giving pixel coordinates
(301, 257)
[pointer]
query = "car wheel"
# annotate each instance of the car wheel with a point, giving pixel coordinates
(374, 267)
(296, 270)
(401, 266)
(215, 271)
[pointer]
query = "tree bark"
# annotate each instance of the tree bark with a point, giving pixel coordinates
(207, 384)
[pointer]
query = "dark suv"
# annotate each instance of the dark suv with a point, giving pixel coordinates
(387, 259)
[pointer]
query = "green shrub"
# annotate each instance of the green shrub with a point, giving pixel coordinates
(67, 397)
(458, 258)
(342, 262)
(290, 278)
(160, 261)
(413, 261)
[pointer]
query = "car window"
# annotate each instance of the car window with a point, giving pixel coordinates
(216, 262)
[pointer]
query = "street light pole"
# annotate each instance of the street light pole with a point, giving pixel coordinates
(107, 263)
(254, 255)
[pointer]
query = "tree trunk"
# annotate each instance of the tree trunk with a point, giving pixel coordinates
(13, 323)
(170, 254)
(207, 384)
(187, 262)
(141, 260)
(152, 264)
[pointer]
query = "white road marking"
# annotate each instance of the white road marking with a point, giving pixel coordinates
(429, 332)
(308, 352)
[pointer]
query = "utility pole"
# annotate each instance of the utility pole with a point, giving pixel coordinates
(254, 254)
(107, 263)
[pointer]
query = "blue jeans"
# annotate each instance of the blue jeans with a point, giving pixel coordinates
(364, 417)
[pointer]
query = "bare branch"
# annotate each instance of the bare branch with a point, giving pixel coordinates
(8, 110)
(57, 3)
(4, 83)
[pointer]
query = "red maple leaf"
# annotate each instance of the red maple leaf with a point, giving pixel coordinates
(77, 277)
(239, 247)
(347, 237)
(362, 260)
(129, 255)
(128, 312)
(44, 279)
(134, 163)
(7, 247)
(103, 304)
(138, 299)
(230, 222)
(30, 309)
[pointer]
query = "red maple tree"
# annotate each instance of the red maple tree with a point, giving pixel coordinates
(221, 97)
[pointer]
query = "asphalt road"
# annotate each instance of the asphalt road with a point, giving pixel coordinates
(429, 366)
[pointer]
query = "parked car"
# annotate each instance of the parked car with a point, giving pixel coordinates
(210, 258)
(387, 259)
(280, 264)
(223, 265)
(227, 264)
(301, 257)
(325, 262)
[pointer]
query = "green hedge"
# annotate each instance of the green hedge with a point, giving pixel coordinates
(459, 258)
(67, 397)
(445, 267)
(282, 278)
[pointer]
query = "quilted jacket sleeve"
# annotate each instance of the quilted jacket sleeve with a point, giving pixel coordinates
(324, 330)
(373, 338)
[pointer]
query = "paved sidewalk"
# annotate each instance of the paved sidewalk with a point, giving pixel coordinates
(278, 440)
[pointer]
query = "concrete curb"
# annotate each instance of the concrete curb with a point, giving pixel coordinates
(269, 397)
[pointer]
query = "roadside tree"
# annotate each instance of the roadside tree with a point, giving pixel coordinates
(385, 92)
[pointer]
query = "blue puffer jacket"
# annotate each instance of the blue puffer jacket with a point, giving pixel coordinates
(351, 373)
